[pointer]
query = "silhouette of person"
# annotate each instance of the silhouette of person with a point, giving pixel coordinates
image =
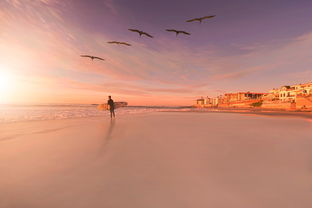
(111, 104)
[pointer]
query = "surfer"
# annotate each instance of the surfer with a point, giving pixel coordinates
(111, 104)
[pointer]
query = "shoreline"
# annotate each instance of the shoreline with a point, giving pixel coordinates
(267, 112)
(243, 111)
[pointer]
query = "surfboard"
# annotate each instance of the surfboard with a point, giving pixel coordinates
(105, 106)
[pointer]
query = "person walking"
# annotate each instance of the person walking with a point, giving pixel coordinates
(111, 105)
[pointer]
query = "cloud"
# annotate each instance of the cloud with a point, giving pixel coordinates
(38, 41)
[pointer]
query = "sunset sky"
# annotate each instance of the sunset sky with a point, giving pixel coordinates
(251, 45)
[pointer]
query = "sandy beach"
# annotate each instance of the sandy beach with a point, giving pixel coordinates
(161, 159)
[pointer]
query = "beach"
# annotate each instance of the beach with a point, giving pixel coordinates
(158, 159)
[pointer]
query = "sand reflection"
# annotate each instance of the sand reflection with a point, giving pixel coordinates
(107, 137)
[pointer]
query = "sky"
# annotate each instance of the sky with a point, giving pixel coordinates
(251, 45)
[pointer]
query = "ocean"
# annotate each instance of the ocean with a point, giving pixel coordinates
(22, 113)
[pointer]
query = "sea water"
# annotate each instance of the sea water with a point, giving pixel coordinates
(18, 113)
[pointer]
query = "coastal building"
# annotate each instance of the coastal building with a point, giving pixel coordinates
(200, 102)
(242, 96)
(290, 97)
(205, 102)
(272, 95)
(289, 93)
(239, 99)
(305, 89)
(216, 101)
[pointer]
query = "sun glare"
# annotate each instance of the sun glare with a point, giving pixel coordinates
(6, 85)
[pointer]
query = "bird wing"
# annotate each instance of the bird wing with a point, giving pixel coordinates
(186, 33)
(85, 56)
(148, 35)
(98, 58)
(134, 30)
(192, 20)
(124, 43)
(208, 17)
(112, 42)
(171, 30)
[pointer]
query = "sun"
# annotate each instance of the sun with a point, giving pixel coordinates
(4, 82)
(6, 85)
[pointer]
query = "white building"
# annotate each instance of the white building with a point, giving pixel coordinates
(288, 93)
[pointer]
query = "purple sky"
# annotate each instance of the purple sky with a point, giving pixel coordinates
(249, 45)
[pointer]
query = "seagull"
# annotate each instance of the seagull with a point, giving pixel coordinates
(119, 43)
(178, 31)
(141, 32)
(200, 19)
(92, 57)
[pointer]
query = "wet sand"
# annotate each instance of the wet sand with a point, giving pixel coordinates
(256, 111)
(158, 160)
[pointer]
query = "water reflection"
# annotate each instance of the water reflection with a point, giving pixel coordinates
(110, 130)
(309, 121)
(107, 137)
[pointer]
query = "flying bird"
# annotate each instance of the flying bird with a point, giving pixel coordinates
(92, 57)
(141, 32)
(119, 43)
(178, 32)
(200, 19)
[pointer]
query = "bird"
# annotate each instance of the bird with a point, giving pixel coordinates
(178, 32)
(200, 19)
(141, 32)
(119, 43)
(92, 57)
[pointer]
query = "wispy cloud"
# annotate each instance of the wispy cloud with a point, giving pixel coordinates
(40, 41)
